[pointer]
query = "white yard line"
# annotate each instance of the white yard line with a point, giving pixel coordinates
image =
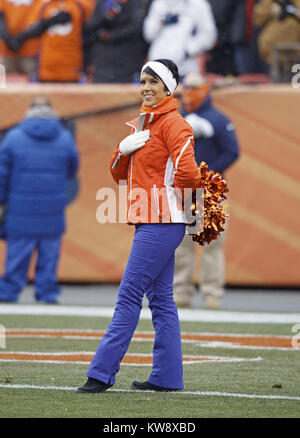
(54, 358)
(195, 393)
(197, 315)
(66, 332)
(143, 336)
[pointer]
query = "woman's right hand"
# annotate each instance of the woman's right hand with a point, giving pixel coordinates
(133, 142)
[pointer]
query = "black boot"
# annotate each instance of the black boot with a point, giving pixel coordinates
(147, 386)
(93, 386)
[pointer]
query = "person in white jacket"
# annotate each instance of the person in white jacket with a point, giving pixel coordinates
(180, 30)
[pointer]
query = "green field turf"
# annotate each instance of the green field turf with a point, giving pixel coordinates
(212, 389)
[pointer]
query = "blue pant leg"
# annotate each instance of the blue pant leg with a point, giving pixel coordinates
(114, 344)
(47, 287)
(150, 251)
(18, 254)
(167, 370)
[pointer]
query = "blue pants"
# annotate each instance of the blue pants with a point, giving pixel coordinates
(19, 251)
(150, 271)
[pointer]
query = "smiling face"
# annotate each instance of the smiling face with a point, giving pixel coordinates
(152, 89)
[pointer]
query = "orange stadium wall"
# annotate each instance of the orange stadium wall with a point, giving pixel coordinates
(263, 239)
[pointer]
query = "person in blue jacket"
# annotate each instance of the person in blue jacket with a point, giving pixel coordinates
(37, 159)
(215, 143)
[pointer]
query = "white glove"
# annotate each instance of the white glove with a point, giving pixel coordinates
(133, 142)
(201, 126)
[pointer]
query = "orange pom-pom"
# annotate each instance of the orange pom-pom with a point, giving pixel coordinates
(210, 212)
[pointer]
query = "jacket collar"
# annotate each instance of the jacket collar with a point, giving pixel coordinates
(150, 114)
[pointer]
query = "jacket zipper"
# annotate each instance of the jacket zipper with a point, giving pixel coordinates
(116, 160)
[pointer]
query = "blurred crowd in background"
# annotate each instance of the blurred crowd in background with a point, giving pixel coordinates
(107, 41)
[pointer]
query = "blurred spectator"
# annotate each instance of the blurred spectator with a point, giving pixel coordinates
(15, 17)
(236, 50)
(60, 26)
(180, 30)
(216, 144)
(279, 21)
(37, 158)
(118, 48)
(146, 4)
(220, 58)
(243, 38)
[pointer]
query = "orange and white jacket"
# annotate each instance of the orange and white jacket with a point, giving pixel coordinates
(61, 46)
(17, 16)
(164, 164)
